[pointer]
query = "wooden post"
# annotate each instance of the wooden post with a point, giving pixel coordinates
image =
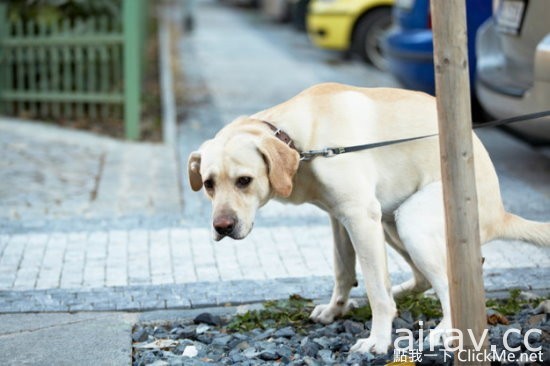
(457, 170)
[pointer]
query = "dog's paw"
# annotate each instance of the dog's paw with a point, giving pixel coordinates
(326, 313)
(372, 344)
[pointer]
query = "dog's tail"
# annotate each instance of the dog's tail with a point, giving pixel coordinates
(518, 228)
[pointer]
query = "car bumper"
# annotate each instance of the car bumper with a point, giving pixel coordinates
(330, 30)
(501, 105)
(410, 58)
(502, 100)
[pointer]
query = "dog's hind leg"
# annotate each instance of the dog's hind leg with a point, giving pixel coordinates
(344, 277)
(421, 227)
(418, 283)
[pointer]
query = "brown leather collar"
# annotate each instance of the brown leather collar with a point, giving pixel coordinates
(282, 135)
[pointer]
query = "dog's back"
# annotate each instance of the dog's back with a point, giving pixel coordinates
(341, 115)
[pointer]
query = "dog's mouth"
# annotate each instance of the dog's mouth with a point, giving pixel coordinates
(218, 237)
(236, 234)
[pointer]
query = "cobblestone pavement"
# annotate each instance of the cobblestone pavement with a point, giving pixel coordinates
(38, 180)
(110, 235)
(180, 255)
(50, 174)
(182, 267)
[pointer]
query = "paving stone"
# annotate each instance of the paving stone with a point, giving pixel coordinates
(49, 173)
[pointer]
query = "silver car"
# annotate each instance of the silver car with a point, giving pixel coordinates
(513, 64)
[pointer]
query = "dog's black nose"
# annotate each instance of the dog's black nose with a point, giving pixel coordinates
(224, 225)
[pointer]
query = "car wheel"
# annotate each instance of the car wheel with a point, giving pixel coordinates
(368, 36)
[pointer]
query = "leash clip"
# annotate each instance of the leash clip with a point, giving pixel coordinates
(327, 152)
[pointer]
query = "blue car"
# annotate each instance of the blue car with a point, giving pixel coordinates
(409, 45)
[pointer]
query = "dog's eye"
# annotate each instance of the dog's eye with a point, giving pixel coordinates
(209, 184)
(243, 182)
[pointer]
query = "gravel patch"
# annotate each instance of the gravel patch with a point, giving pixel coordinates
(207, 339)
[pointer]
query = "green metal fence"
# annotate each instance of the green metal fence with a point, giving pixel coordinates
(83, 68)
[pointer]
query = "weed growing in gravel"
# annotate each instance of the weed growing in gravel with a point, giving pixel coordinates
(281, 313)
(417, 305)
(513, 303)
(430, 307)
(360, 314)
(295, 311)
(508, 306)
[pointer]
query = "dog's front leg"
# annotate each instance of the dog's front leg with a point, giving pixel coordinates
(364, 224)
(344, 277)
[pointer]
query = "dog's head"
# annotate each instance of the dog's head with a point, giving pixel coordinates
(241, 169)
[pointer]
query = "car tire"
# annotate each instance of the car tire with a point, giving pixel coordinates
(368, 35)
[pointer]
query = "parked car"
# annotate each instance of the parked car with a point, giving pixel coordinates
(409, 44)
(347, 25)
(513, 69)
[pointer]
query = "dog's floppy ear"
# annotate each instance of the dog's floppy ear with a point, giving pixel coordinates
(193, 168)
(282, 164)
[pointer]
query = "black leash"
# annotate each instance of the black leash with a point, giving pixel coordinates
(332, 151)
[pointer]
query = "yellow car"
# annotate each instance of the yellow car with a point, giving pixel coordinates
(351, 25)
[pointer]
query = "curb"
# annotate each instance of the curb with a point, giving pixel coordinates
(208, 294)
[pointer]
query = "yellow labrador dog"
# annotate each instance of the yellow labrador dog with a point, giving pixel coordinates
(389, 194)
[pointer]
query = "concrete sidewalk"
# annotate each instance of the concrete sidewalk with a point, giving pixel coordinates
(66, 339)
(93, 339)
